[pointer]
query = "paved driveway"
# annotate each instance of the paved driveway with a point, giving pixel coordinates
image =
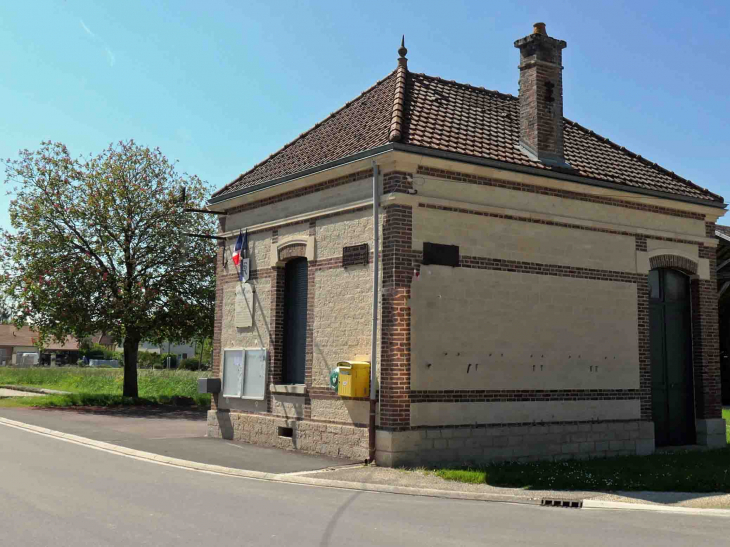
(169, 432)
(5, 392)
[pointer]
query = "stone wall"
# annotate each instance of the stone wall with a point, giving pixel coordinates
(478, 445)
(507, 239)
(490, 330)
(339, 304)
(338, 441)
(548, 201)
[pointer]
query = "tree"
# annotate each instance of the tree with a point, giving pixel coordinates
(99, 246)
(5, 314)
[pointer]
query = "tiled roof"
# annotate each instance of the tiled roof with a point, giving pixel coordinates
(448, 116)
(25, 336)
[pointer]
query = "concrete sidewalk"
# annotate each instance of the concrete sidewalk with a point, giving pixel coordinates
(180, 434)
(423, 479)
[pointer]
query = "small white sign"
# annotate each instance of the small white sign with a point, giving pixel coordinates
(245, 269)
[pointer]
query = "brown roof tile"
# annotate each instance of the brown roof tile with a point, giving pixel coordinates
(25, 336)
(453, 117)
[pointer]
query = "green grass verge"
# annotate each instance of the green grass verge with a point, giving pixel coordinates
(701, 471)
(103, 387)
(696, 471)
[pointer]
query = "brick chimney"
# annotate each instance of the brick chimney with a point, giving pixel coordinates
(541, 97)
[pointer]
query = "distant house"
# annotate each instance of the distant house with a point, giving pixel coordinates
(19, 347)
(106, 340)
(182, 351)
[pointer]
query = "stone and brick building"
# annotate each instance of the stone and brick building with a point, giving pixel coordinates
(544, 292)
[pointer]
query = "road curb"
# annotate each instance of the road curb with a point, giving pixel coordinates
(346, 485)
(272, 477)
(30, 389)
(623, 506)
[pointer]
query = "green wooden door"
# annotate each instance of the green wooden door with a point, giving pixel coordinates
(670, 338)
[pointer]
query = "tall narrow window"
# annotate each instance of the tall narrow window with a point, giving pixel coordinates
(295, 320)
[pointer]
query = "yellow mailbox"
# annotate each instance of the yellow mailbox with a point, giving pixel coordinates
(354, 379)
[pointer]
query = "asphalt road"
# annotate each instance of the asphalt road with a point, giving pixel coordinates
(54, 493)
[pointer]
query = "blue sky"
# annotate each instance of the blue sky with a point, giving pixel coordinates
(221, 85)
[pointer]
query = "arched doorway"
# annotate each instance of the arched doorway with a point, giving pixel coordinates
(670, 336)
(295, 321)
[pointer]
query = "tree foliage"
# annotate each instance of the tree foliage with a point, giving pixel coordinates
(99, 246)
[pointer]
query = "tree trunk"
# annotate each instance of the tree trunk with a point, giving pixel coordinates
(131, 348)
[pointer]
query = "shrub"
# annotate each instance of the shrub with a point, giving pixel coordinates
(147, 359)
(189, 364)
(97, 351)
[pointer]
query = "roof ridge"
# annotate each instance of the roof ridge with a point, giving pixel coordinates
(396, 120)
(641, 159)
(468, 86)
(304, 134)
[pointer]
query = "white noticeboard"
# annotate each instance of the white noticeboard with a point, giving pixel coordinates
(244, 373)
(232, 373)
(244, 306)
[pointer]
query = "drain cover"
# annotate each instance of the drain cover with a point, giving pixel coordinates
(574, 504)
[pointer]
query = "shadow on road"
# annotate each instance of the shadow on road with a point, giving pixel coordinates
(332, 524)
(163, 412)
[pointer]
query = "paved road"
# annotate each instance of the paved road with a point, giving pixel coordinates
(61, 494)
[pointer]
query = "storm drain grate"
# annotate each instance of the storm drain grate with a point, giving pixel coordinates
(572, 504)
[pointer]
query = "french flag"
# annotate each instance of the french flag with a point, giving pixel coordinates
(237, 249)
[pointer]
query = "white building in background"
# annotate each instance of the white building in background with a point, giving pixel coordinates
(182, 351)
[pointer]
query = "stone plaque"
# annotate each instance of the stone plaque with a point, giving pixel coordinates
(244, 306)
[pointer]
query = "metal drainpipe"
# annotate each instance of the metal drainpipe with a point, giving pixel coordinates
(374, 335)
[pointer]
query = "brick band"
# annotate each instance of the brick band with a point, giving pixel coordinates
(537, 268)
(522, 395)
(641, 239)
(587, 425)
(567, 194)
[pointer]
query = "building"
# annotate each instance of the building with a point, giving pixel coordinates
(19, 347)
(545, 293)
(182, 350)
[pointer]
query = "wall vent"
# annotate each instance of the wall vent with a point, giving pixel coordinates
(444, 255)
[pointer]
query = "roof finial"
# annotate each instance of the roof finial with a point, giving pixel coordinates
(402, 52)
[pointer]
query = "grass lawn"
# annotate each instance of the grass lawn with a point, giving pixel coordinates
(699, 471)
(103, 387)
